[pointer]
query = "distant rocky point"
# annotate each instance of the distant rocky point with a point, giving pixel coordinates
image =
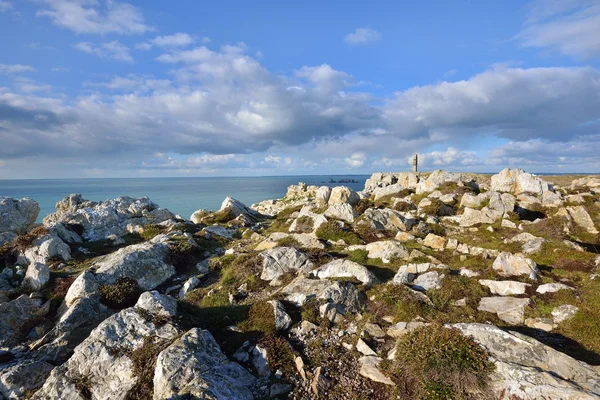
(439, 284)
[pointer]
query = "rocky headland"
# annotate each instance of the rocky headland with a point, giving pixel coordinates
(421, 286)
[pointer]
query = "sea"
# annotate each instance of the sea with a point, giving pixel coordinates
(181, 196)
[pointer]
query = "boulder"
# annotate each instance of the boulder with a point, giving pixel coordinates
(434, 241)
(301, 290)
(505, 288)
(195, 367)
(17, 216)
(383, 179)
(369, 368)
(157, 304)
(341, 211)
(473, 200)
(188, 286)
(386, 219)
(282, 319)
(279, 261)
(36, 277)
(508, 309)
(104, 360)
(581, 217)
(15, 315)
(527, 369)
(343, 195)
(346, 269)
(322, 195)
(517, 181)
(508, 264)
(386, 250)
(471, 217)
(531, 244)
(19, 378)
(439, 177)
(99, 220)
(427, 281)
(563, 313)
(388, 191)
(552, 288)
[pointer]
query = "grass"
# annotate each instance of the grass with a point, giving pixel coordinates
(288, 241)
(121, 294)
(144, 362)
(435, 362)
(261, 318)
(396, 301)
(152, 230)
(282, 221)
(332, 231)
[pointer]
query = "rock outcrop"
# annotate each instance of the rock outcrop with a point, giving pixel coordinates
(17, 216)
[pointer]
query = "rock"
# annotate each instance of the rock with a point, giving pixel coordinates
(552, 288)
(581, 217)
(544, 324)
(282, 260)
(236, 209)
(282, 320)
(505, 288)
(188, 286)
(528, 369)
(386, 219)
(206, 372)
(48, 247)
(320, 383)
(472, 200)
(402, 328)
(369, 369)
(218, 230)
(301, 290)
(531, 244)
(383, 179)
(364, 348)
(406, 273)
(346, 269)
(322, 195)
(386, 250)
(307, 221)
(508, 309)
(507, 264)
(157, 304)
(471, 217)
(391, 191)
(99, 220)
(198, 215)
(36, 277)
(506, 223)
(260, 360)
(17, 216)
(342, 211)
(343, 195)
(103, 360)
(427, 281)
(6, 237)
(439, 177)
(20, 377)
(563, 313)
(517, 181)
(15, 314)
(435, 241)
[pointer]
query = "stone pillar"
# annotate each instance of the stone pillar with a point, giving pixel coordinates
(414, 162)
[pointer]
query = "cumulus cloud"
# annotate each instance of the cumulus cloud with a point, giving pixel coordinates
(99, 17)
(175, 40)
(571, 27)
(356, 160)
(114, 50)
(362, 36)
(15, 68)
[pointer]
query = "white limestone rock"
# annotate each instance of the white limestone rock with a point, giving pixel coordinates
(341, 268)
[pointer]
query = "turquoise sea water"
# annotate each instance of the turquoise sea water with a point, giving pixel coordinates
(180, 195)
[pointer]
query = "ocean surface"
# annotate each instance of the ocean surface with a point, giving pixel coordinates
(180, 195)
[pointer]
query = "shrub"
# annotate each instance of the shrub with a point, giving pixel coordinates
(152, 230)
(332, 231)
(24, 241)
(121, 294)
(439, 362)
(280, 353)
(397, 301)
(261, 318)
(288, 241)
(183, 255)
(144, 362)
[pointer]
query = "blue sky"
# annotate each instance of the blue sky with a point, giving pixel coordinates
(101, 88)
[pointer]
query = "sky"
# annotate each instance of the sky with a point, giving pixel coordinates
(106, 88)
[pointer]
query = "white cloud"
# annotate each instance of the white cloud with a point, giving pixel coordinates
(175, 40)
(114, 50)
(91, 16)
(362, 36)
(15, 68)
(356, 160)
(5, 5)
(30, 86)
(572, 27)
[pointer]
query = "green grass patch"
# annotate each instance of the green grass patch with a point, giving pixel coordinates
(331, 230)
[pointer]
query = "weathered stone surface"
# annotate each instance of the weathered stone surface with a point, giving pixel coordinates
(528, 369)
(48, 247)
(342, 211)
(544, 324)
(281, 260)
(471, 217)
(508, 309)
(386, 219)
(17, 216)
(195, 367)
(391, 190)
(386, 250)
(282, 319)
(157, 304)
(369, 369)
(19, 377)
(15, 314)
(552, 288)
(343, 195)
(301, 290)
(507, 264)
(564, 313)
(322, 195)
(104, 358)
(37, 276)
(517, 181)
(434, 241)
(581, 217)
(99, 220)
(439, 177)
(428, 280)
(402, 328)
(531, 244)
(383, 179)
(188, 286)
(346, 269)
(505, 288)
(473, 200)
